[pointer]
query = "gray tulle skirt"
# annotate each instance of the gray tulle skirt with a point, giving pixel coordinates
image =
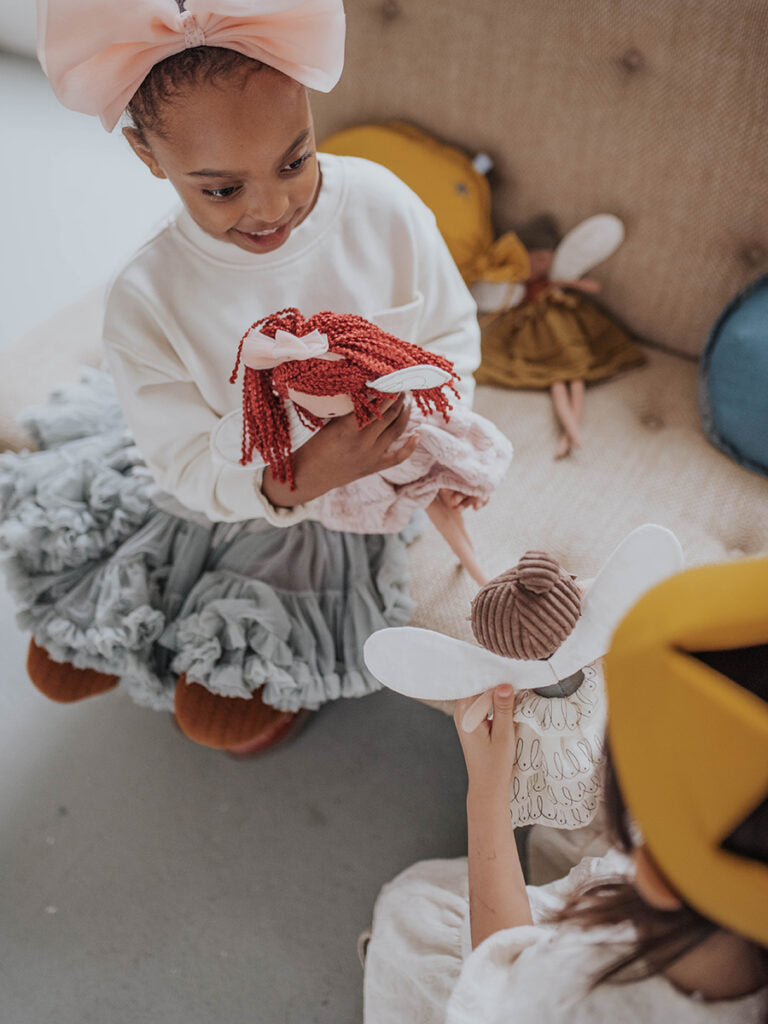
(107, 579)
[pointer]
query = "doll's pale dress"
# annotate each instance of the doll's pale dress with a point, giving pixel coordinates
(131, 550)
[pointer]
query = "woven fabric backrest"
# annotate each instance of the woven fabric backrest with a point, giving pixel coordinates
(656, 110)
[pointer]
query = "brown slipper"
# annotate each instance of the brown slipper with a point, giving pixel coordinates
(242, 726)
(62, 682)
(282, 733)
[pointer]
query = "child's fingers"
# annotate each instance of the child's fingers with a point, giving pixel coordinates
(504, 698)
(405, 452)
(460, 707)
(392, 423)
(392, 431)
(391, 409)
(461, 710)
(477, 712)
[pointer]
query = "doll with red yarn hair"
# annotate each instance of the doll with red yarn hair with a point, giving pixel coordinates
(300, 373)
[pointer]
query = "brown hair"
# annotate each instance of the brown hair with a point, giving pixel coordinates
(527, 611)
(171, 76)
(663, 935)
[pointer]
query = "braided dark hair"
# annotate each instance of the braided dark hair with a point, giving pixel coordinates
(169, 77)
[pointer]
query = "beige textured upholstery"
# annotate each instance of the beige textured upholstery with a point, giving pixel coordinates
(651, 109)
(644, 459)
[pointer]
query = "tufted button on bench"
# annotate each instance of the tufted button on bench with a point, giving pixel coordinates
(632, 61)
(651, 421)
(390, 10)
(753, 255)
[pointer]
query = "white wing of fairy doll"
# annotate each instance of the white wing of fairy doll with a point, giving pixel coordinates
(585, 246)
(431, 666)
(411, 378)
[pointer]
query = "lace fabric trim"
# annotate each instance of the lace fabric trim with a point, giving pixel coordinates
(564, 715)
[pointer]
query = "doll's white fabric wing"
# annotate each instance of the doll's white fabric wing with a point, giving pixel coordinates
(411, 378)
(430, 666)
(227, 438)
(644, 558)
(586, 245)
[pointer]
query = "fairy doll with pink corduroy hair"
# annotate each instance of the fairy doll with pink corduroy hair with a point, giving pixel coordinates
(301, 373)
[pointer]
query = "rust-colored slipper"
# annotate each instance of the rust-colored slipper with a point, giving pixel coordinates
(62, 682)
(243, 727)
(293, 724)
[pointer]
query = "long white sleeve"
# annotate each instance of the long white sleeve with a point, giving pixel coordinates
(449, 315)
(176, 313)
(172, 424)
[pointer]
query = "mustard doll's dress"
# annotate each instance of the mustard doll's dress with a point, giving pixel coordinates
(555, 336)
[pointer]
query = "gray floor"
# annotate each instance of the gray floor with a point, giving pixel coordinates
(148, 879)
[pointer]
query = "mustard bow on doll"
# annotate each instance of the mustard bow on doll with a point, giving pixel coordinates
(543, 637)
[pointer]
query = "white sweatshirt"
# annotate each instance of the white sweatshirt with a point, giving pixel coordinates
(177, 311)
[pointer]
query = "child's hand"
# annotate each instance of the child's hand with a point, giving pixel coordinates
(489, 751)
(455, 499)
(341, 453)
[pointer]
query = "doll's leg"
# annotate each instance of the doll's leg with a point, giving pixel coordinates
(563, 446)
(576, 389)
(450, 522)
(561, 401)
(62, 682)
(241, 726)
(585, 284)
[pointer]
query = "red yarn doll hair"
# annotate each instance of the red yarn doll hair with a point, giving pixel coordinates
(368, 353)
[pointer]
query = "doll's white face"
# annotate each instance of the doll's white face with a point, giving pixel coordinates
(324, 406)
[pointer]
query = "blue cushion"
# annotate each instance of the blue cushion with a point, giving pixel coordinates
(733, 379)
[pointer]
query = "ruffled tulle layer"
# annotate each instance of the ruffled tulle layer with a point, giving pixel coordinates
(105, 579)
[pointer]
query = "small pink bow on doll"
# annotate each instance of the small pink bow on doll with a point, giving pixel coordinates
(338, 364)
(97, 53)
(264, 352)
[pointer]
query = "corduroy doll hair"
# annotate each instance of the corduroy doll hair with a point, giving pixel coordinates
(527, 611)
(367, 353)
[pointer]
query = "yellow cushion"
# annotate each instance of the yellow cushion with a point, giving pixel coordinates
(441, 175)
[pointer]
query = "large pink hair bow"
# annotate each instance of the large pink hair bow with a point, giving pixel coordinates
(97, 53)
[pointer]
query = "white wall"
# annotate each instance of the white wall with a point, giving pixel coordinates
(74, 201)
(18, 26)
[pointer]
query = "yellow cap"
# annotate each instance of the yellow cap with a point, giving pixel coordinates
(691, 745)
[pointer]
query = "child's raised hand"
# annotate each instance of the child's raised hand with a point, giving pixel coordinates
(341, 452)
(455, 499)
(489, 750)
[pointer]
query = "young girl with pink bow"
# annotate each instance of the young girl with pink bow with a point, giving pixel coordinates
(200, 586)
